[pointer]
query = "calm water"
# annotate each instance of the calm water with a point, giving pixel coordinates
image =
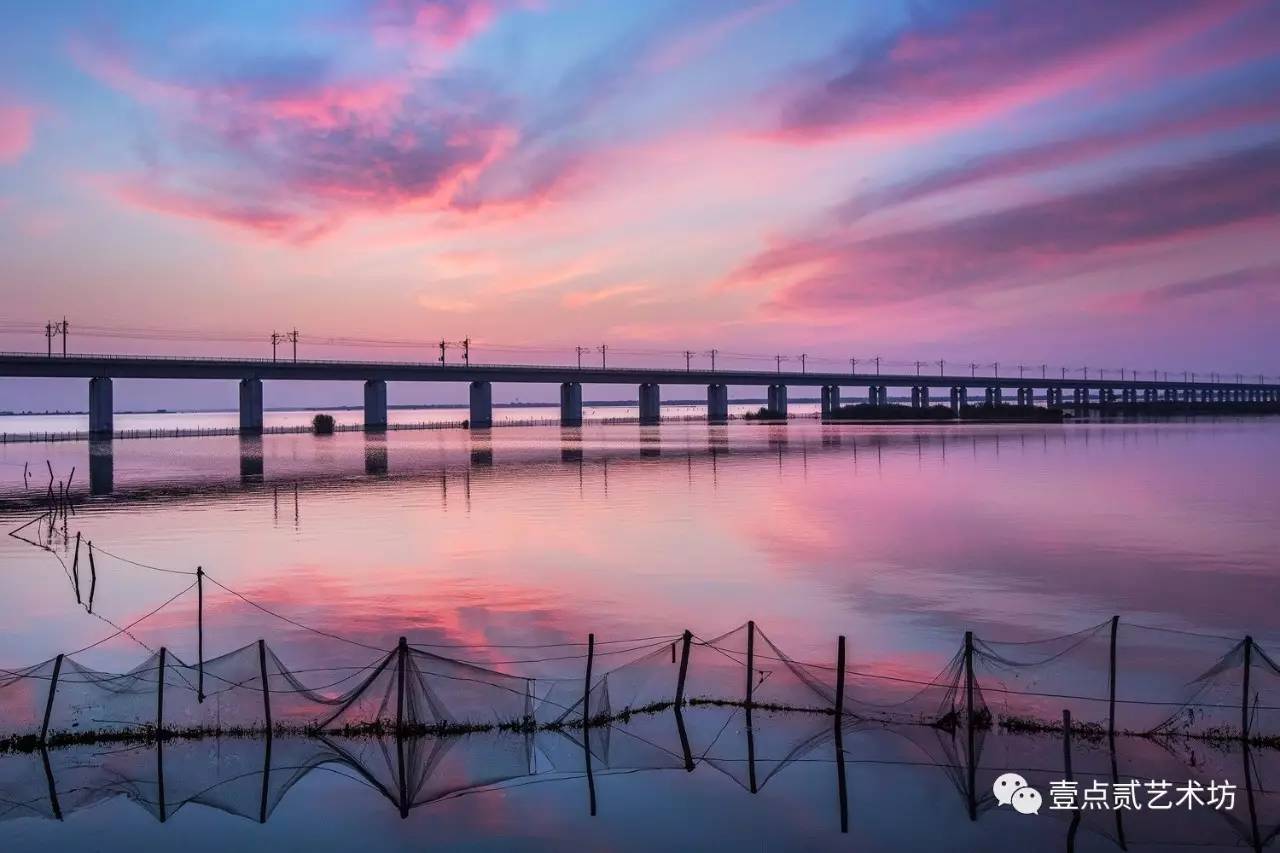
(900, 538)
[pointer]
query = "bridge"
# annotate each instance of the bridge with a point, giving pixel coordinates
(956, 390)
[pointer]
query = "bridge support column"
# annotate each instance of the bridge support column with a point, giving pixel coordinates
(717, 404)
(915, 396)
(101, 418)
(251, 406)
(875, 396)
(481, 405)
(375, 404)
(955, 399)
(570, 404)
(778, 400)
(924, 396)
(650, 404)
(830, 399)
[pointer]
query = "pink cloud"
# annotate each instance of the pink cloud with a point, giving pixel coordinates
(832, 270)
(17, 124)
(940, 75)
(441, 24)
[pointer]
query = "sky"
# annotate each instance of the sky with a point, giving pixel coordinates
(1075, 184)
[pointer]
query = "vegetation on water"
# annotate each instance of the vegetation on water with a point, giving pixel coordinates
(764, 413)
(322, 424)
(898, 412)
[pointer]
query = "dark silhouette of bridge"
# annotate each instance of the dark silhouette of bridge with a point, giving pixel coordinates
(959, 390)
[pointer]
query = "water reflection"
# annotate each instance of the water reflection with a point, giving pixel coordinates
(806, 778)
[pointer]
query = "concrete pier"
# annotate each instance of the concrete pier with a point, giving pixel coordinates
(375, 404)
(101, 417)
(481, 405)
(830, 399)
(717, 404)
(101, 466)
(778, 400)
(650, 403)
(251, 406)
(571, 404)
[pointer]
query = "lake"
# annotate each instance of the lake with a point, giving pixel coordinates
(502, 547)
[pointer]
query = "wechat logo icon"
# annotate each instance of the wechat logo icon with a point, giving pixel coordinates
(1010, 789)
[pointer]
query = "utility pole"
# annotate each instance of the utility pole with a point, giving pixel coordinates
(276, 338)
(853, 365)
(918, 363)
(466, 351)
(1044, 371)
(688, 360)
(803, 356)
(580, 351)
(877, 360)
(996, 366)
(778, 361)
(942, 367)
(65, 329)
(443, 344)
(713, 353)
(604, 354)
(1019, 371)
(293, 338)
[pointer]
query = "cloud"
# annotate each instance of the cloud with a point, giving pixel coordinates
(17, 124)
(1265, 279)
(290, 146)
(583, 298)
(951, 68)
(1058, 153)
(833, 269)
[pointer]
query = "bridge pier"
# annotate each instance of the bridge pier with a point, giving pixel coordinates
(830, 399)
(717, 404)
(101, 466)
(251, 406)
(571, 404)
(101, 417)
(650, 403)
(778, 400)
(481, 405)
(375, 404)
(877, 395)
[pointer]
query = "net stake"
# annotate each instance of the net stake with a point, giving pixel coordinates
(972, 762)
(48, 705)
(586, 687)
(685, 642)
(1111, 712)
(160, 696)
(93, 575)
(1244, 696)
(75, 566)
(751, 659)
(200, 634)
(839, 679)
(266, 691)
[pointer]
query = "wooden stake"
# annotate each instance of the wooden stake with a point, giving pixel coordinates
(1111, 711)
(586, 687)
(160, 696)
(839, 679)
(200, 634)
(971, 763)
(75, 570)
(48, 705)
(93, 576)
(1244, 697)
(403, 653)
(751, 660)
(684, 666)
(266, 688)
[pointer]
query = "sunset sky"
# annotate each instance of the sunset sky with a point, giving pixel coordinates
(1088, 182)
